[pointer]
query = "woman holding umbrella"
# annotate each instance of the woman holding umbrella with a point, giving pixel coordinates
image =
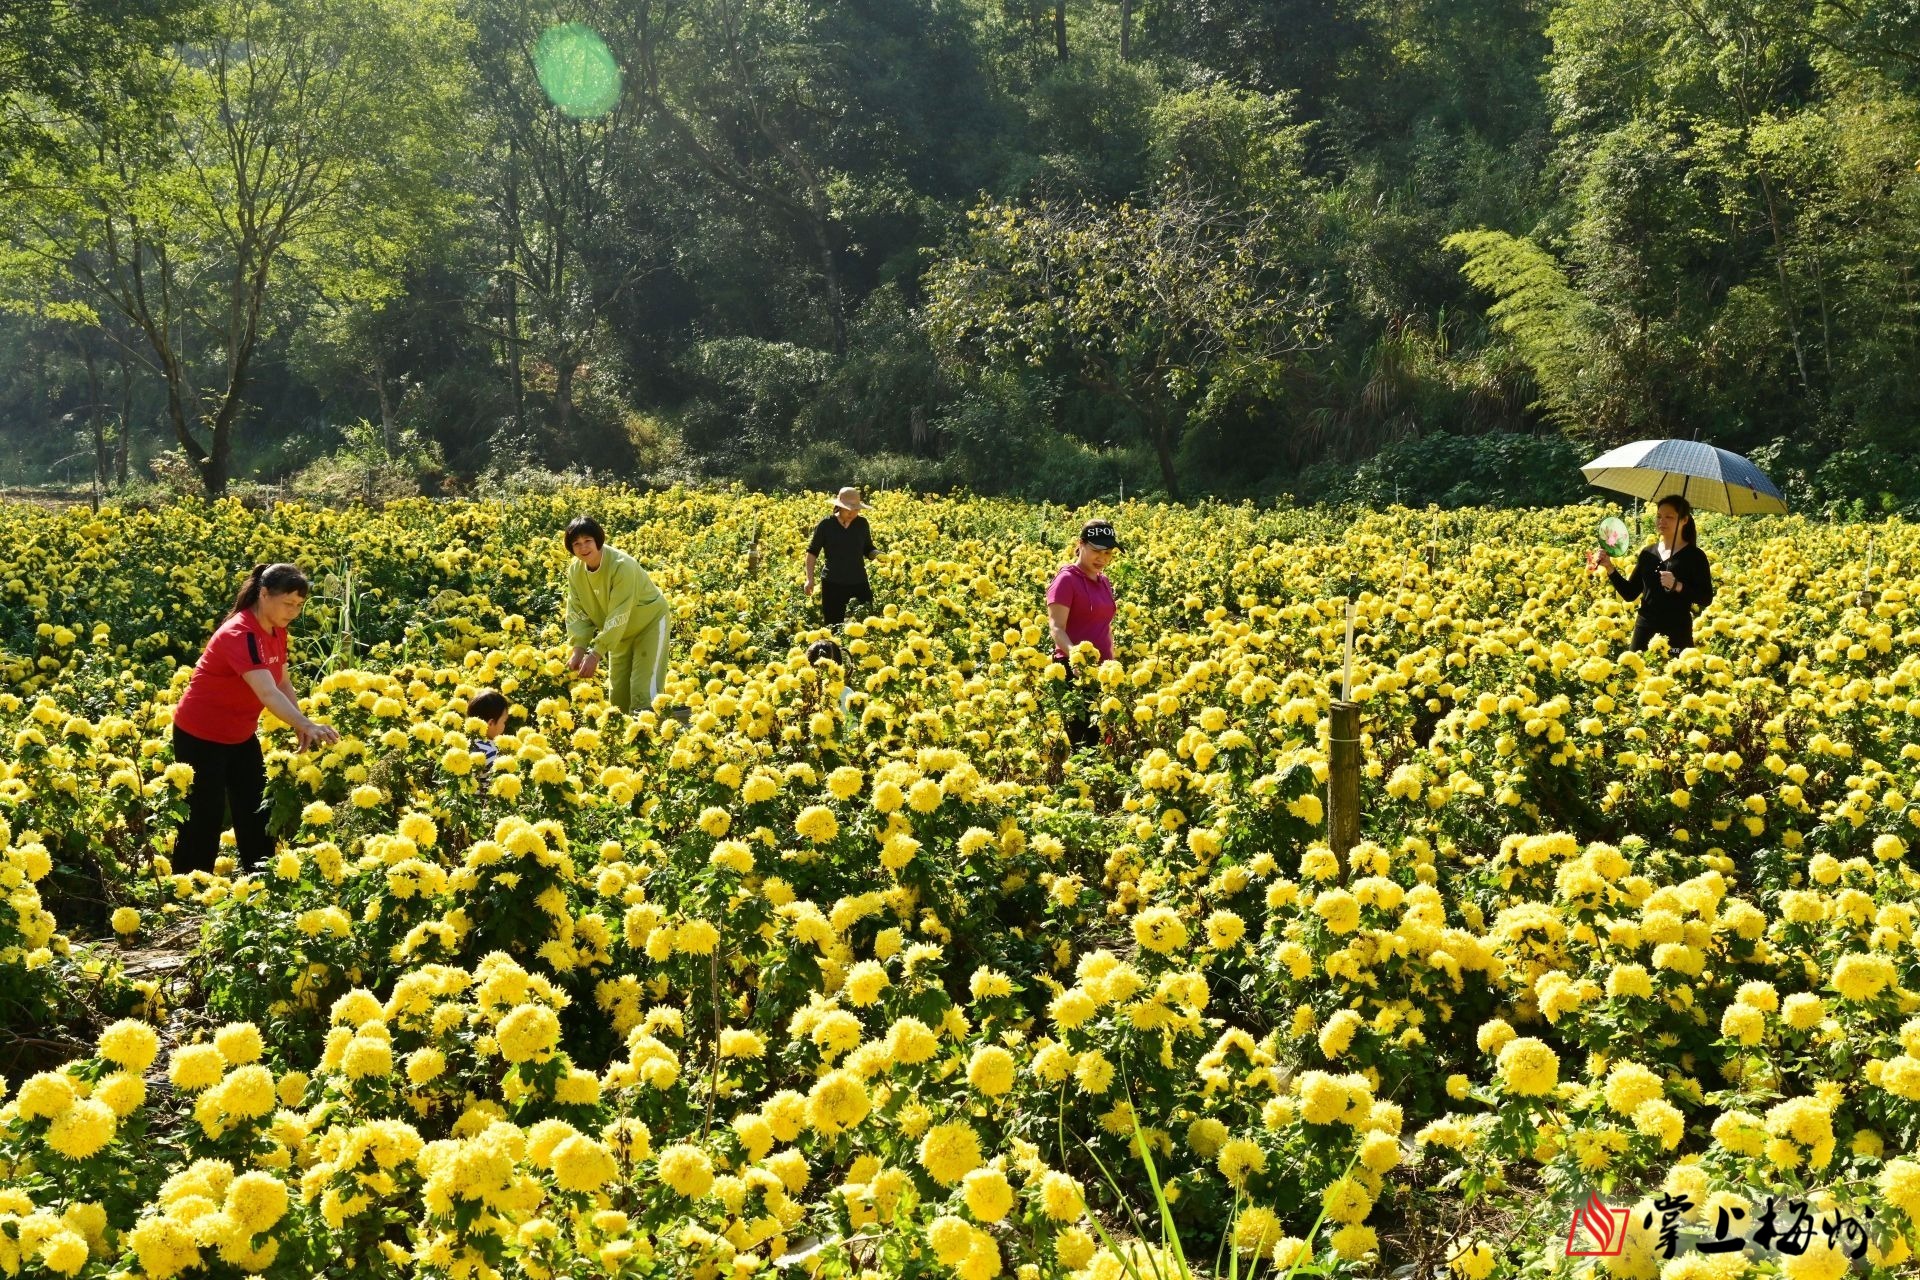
(1669, 578)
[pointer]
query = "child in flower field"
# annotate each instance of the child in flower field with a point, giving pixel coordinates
(1669, 578)
(490, 707)
(242, 672)
(827, 651)
(615, 611)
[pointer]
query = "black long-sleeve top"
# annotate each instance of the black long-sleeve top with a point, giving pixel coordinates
(1668, 612)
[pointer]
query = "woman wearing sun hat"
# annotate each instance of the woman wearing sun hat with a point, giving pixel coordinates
(1080, 606)
(847, 541)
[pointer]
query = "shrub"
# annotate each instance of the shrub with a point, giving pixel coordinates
(369, 468)
(1507, 470)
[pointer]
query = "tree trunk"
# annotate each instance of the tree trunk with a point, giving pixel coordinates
(563, 371)
(248, 295)
(155, 325)
(94, 422)
(515, 376)
(1787, 301)
(177, 408)
(1826, 317)
(1060, 29)
(216, 466)
(123, 445)
(217, 469)
(41, 418)
(213, 469)
(516, 373)
(386, 401)
(1163, 450)
(830, 271)
(1126, 30)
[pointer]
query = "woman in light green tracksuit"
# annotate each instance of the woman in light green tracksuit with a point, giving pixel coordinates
(615, 611)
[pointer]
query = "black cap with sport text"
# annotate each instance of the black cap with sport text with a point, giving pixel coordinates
(1099, 533)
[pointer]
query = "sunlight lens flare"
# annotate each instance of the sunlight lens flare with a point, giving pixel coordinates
(577, 71)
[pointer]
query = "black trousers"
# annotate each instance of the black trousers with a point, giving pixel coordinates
(1082, 729)
(1644, 630)
(1083, 725)
(225, 779)
(835, 596)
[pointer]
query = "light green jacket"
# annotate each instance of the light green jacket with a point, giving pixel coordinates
(610, 606)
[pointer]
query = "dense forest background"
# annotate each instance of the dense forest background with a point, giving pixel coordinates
(1424, 250)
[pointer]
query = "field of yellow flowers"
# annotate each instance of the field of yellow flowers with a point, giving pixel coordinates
(858, 973)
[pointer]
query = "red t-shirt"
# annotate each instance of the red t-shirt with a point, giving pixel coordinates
(1090, 608)
(219, 705)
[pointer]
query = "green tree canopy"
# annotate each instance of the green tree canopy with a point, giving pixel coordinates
(285, 150)
(1171, 313)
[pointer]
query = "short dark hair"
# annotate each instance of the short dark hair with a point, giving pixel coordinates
(585, 527)
(488, 705)
(826, 649)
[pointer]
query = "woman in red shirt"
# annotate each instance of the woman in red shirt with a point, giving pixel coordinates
(215, 727)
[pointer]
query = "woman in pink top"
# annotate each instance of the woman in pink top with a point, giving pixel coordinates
(1080, 602)
(242, 672)
(1080, 608)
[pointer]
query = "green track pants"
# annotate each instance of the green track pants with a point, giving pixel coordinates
(637, 669)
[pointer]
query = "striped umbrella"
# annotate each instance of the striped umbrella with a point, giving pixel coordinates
(1710, 478)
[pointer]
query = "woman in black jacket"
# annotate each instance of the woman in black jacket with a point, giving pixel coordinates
(1670, 578)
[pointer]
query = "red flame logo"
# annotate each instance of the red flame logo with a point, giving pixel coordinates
(1597, 1231)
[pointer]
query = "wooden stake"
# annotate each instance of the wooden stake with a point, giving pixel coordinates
(1346, 680)
(1343, 763)
(1343, 781)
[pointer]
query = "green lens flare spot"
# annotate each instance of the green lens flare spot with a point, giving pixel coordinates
(577, 70)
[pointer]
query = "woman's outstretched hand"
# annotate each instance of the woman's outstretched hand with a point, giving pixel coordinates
(1599, 561)
(312, 734)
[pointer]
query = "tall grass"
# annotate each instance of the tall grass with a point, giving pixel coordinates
(1172, 1249)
